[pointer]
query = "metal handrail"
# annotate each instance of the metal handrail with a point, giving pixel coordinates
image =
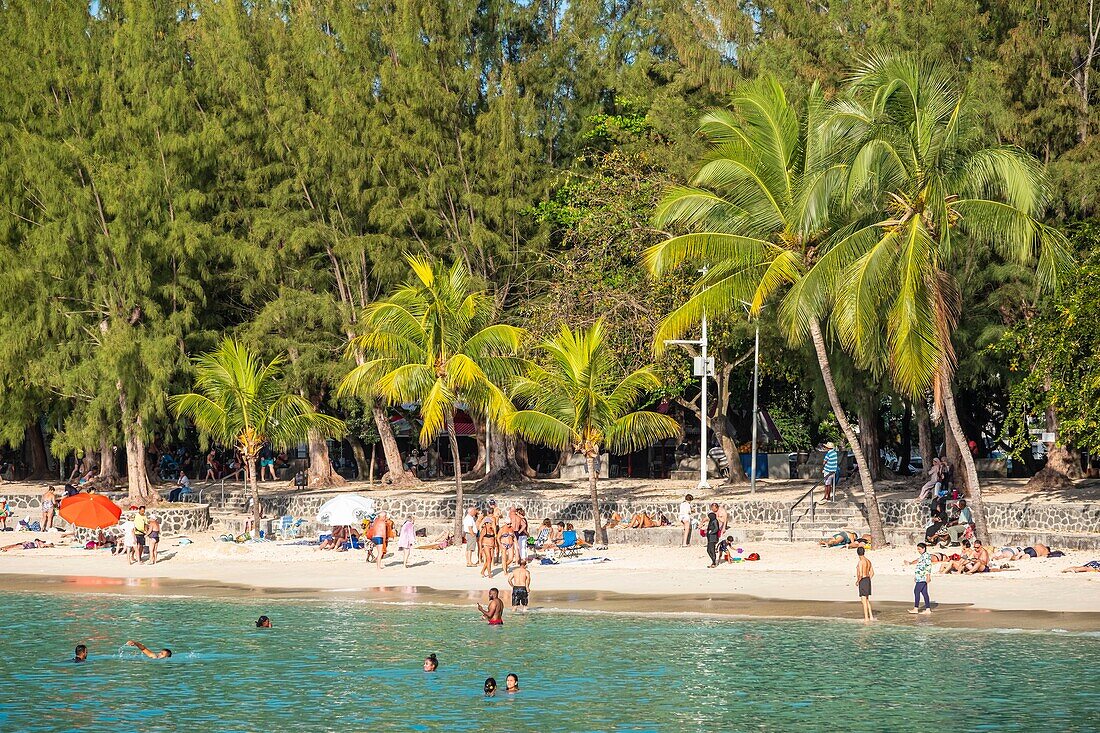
(812, 511)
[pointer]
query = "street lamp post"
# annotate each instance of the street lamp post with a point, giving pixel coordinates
(703, 372)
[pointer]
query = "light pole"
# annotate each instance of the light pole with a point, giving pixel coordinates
(703, 371)
(755, 395)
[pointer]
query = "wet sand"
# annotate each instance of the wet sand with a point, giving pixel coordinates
(687, 606)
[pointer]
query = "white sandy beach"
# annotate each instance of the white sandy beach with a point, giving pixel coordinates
(785, 572)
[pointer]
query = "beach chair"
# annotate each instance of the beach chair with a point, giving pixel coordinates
(289, 527)
(568, 547)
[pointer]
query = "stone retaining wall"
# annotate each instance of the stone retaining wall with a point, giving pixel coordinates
(175, 519)
(1034, 516)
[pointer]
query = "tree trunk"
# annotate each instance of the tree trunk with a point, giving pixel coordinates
(503, 472)
(1063, 465)
(38, 462)
(453, 438)
(870, 499)
(906, 448)
(955, 459)
(137, 479)
(867, 414)
(394, 466)
(108, 467)
(359, 452)
(370, 479)
(727, 438)
(593, 477)
(478, 469)
(320, 472)
(924, 435)
(519, 457)
(250, 469)
(969, 470)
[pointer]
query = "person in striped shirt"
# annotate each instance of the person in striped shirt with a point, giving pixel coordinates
(832, 461)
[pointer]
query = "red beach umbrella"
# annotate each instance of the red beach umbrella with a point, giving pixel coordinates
(93, 511)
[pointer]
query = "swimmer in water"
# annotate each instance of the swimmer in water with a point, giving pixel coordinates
(431, 663)
(490, 687)
(81, 654)
(263, 622)
(162, 654)
(511, 683)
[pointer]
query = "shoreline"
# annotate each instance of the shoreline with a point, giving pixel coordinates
(719, 607)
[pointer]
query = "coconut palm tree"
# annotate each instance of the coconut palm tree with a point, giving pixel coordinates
(240, 400)
(574, 401)
(435, 342)
(765, 213)
(941, 191)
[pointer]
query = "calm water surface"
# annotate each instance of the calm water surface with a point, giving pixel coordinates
(343, 665)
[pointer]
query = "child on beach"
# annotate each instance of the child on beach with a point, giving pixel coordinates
(864, 573)
(923, 576)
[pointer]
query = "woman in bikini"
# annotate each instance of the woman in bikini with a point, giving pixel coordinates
(153, 536)
(488, 546)
(49, 505)
(507, 539)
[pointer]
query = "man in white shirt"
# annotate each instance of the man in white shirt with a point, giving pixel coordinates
(685, 519)
(129, 540)
(469, 531)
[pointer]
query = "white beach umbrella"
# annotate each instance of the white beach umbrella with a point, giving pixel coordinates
(345, 510)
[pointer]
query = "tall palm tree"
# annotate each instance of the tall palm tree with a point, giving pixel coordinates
(574, 401)
(238, 400)
(941, 191)
(435, 342)
(764, 213)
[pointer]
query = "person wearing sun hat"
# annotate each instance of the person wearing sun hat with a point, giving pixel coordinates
(829, 469)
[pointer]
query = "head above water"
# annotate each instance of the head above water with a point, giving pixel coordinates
(490, 686)
(81, 653)
(431, 663)
(263, 622)
(511, 682)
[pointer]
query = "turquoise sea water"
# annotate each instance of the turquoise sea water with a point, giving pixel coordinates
(351, 666)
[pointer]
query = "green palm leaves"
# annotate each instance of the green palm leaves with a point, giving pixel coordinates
(435, 342)
(240, 400)
(940, 192)
(575, 402)
(757, 209)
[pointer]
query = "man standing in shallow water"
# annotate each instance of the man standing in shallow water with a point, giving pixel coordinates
(520, 580)
(923, 576)
(864, 573)
(495, 612)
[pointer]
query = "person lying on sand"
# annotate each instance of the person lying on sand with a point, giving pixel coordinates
(641, 520)
(28, 545)
(441, 542)
(841, 538)
(956, 566)
(1092, 566)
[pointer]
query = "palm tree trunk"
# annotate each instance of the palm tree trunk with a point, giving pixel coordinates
(359, 452)
(925, 442)
(250, 468)
(396, 468)
(950, 413)
(593, 477)
(459, 511)
(870, 499)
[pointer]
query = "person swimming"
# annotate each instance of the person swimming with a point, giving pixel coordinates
(490, 687)
(80, 654)
(431, 663)
(162, 654)
(263, 622)
(511, 683)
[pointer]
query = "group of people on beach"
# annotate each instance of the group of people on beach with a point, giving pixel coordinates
(501, 537)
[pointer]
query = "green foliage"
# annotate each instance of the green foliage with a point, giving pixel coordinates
(1054, 356)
